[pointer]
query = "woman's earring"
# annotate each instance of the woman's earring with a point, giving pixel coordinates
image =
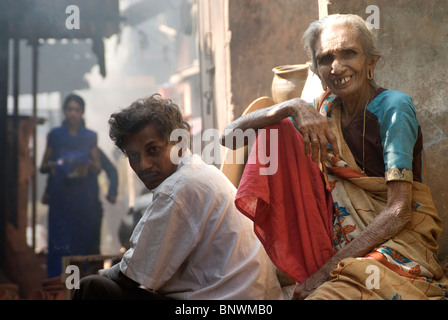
(370, 75)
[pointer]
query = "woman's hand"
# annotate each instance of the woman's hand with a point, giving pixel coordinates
(80, 171)
(307, 287)
(314, 129)
(304, 289)
(389, 222)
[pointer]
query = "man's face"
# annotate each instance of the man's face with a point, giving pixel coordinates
(149, 156)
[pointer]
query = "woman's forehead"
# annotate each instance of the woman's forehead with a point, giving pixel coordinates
(73, 105)
(335, 38)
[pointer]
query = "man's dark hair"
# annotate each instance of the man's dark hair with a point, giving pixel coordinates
(163, 114)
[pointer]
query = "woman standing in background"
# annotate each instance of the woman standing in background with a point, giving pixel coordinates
(72, 160)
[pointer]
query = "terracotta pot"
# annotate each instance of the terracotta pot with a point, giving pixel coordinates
(288, 81)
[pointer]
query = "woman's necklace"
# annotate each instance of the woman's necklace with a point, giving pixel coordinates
(364, 139)
(369, 99)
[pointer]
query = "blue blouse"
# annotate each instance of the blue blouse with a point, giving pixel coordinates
(399, 128)
(393, 140)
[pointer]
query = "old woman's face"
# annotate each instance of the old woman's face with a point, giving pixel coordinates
(342, 65)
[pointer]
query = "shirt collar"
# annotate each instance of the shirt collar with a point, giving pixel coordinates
(185, 159)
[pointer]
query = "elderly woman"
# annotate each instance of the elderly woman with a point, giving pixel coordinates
(359, 148)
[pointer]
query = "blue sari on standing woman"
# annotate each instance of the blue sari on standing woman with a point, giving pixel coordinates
(74, 218)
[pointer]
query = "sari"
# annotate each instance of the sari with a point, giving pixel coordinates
(74, 216)
(404, 267)
(407, 263)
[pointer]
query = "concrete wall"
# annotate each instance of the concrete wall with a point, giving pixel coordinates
(413, 36)
(265, 34)
(240, 42)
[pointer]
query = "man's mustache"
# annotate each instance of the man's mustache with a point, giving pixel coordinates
(147, 173)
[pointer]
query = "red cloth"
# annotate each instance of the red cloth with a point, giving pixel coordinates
(292, 210)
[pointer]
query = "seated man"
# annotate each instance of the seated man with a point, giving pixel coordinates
(191, 242)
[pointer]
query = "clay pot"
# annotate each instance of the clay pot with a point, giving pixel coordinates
(288, 81)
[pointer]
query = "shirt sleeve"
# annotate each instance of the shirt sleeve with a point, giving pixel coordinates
(161, 242)
(399, 130)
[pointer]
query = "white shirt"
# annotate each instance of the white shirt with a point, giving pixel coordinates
(192, 242)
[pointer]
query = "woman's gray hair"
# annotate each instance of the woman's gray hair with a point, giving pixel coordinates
(367, 33)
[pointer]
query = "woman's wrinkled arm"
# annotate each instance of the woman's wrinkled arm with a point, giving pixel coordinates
(386, 225)
(312, 126)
